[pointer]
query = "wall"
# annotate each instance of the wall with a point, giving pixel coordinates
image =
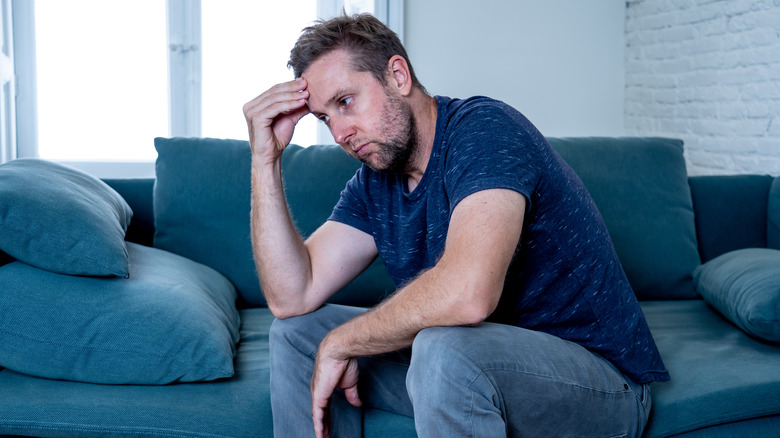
(560, 62)
(707, 72)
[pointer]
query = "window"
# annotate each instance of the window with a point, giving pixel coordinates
(112, 75)
(7, 122)
(245, 51)
(102, 79)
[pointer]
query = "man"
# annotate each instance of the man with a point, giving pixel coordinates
(520, 319)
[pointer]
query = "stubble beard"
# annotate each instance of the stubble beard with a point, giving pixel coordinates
(396, 154)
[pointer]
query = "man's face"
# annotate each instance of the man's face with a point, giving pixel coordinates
(371, 122)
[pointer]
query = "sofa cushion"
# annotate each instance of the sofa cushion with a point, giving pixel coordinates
(719, 374)
(720, 227)
(744, 286)
(640, 186)
(203, 190)
(201, 207)
(171, 320)
(238, 407)
(60, 219)
(310, 210)
(773, 215)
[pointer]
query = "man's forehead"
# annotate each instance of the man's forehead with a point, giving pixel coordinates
(325, 76)
(329, 78)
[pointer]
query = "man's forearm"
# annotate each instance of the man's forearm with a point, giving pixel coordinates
(393, 324)
(462, 289)
(280, 256)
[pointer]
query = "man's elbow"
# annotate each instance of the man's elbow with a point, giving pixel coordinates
(288, 310)
(477, 307)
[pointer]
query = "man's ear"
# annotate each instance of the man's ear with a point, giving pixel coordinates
(399, 75)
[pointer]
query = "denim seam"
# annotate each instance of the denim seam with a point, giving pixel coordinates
(564, 381)
(473, 395)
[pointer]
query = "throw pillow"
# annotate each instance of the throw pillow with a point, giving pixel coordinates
(60, 219)
(744, 285)
(172, 320)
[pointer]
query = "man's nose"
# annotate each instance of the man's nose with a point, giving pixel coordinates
(342, 130)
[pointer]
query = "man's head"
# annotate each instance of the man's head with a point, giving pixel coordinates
(368, 41)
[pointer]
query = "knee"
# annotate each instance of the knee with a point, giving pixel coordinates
(293, 334)
(283, 330)
(440, 361)
(305, 332)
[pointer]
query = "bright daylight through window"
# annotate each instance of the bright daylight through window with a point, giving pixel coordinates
(103, 72)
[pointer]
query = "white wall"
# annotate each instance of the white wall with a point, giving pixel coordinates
(708, 73)
(560, 62)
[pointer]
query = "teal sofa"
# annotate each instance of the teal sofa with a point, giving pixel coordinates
(701, 253)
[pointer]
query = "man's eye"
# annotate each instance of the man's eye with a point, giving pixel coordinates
(345, 101)
(324, 119)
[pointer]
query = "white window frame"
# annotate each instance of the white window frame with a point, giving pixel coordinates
(7, 85)
(185, 77)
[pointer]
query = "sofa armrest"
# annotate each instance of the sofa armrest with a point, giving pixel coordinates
(138, 192)
(731, 212)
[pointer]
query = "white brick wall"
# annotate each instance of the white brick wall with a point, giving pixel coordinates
(708, 72)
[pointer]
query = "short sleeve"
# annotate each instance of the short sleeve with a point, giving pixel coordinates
(492, 146)
(351, 208)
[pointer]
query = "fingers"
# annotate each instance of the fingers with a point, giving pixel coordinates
(271, 117)
(319, 414)
(352, 396)
(279, 99)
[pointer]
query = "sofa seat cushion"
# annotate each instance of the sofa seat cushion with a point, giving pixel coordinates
(719, 374)
(171, 320)
(60, 219)
(235, 407)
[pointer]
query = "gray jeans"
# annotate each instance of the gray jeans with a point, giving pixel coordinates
(493, 380)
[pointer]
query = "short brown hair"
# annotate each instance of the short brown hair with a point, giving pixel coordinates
(370, 43)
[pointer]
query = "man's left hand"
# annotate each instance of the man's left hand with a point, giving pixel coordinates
(329, 374)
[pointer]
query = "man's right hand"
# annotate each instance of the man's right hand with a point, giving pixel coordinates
(272, 116)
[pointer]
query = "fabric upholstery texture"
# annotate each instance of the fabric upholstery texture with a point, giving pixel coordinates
(201, 207)
(773, 215)
(172, 320)
(744, 286)
(138, 193)
(238, 407)
(641, 189)
(723, 381)
(310, 211)
(207, 218)
(719, 374)
(720, 227)
(60, 219)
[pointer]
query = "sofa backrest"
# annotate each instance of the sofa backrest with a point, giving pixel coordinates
(202, 206)
(640, 186)
(202, 203)
(733, 212)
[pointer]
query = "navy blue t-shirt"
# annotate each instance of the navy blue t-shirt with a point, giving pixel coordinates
(565, 278)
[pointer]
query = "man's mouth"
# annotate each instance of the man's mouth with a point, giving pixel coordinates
(360, 150)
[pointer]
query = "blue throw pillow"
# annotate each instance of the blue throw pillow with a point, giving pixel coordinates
(172, 320)
(744, 286)
(60, 219)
